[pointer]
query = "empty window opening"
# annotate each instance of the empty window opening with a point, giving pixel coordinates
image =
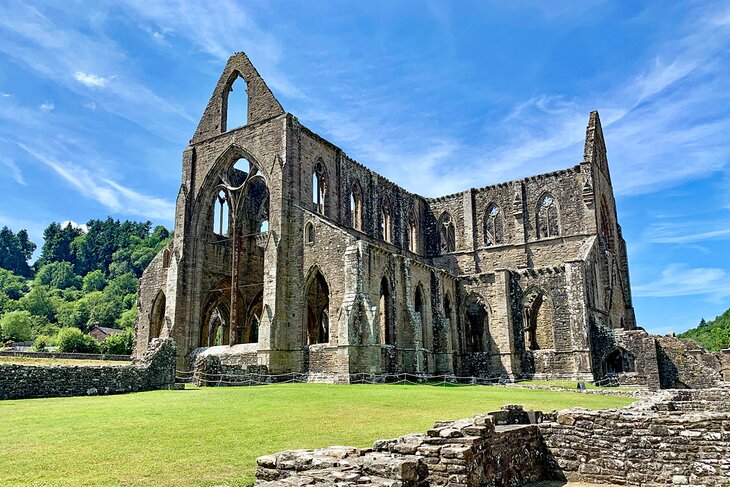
(157, 315)
(493, 226)
(447, 234)
(447, 309)
(420, 309)
(235, 104)
(249, 333)
(309, 233)
(476, 326)
(548, 220)
(386, 224)
(319, 188)
(387, 332)
(619, 361)
(318, 302)
(239, 172)
(165, 259)
(538, 318)
(220, 214)
(356, 206)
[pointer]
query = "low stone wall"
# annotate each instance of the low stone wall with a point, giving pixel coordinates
(679, 439)
(501, 448)
(220, 366)
(156, 370)
(73, 356)
(683, 364)
(662, 440)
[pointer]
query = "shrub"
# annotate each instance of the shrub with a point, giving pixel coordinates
(94, 281)
(119, 344)
(73, 340)
(16, 326)
(41, 343)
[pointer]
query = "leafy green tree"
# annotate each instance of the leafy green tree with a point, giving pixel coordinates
(42, 342)
(713, 335)
(57, 244)
(16, 326)
(73, 340)
(121, 286)
(94, 281)
(74, 314)
(15, 250)
(11, 285)
(119, 344)
(59, 275)
(127, 319)
(105, 313)
(39, 302)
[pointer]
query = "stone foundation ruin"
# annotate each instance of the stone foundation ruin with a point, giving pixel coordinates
(673, 438)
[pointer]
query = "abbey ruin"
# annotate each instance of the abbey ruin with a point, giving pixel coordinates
(289, 256)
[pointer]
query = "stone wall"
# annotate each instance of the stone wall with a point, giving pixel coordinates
(683, 364)
(73, 356)
(671, 438)
(502, 448)
(156, 370)
(681, 441)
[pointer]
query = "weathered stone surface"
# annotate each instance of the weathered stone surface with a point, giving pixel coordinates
(155, 370)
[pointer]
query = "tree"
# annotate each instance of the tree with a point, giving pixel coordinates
(16, 326)
(38, 302)
(57, 243)
(59, 275)
(72, 340)
(94, 281)
(15, 250)
(11, 285)
(127, 319)
(119, 344)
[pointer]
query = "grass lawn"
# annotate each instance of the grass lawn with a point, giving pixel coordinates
(572, 385)
(57, 361)
(211, 436)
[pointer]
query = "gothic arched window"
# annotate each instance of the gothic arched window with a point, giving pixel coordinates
(548, 219)
(493, 225)
(356, 206)
(319, 187)
(386, 223)
(447, 234)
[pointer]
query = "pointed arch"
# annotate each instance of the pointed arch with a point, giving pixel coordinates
(386, 221)
(476, 324)
(356, 206)
(317, 297)
(447, 233)
(493, 225)
(548, 216)
(386, 311)
(157, 315)
(419, 306)
(618, 361)
(412, 234)
(235, 101)
(538, 313)
(319, 187)
(166, 258)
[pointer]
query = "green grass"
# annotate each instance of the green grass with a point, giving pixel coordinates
(211, 436)
(57, 361)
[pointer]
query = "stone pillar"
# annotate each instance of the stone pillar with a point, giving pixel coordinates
(501, 326)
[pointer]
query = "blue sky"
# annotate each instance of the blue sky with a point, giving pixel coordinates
(98, 100)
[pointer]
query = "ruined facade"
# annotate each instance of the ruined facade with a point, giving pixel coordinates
(289, 255)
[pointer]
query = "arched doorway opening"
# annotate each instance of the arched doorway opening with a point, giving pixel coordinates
(318, 302)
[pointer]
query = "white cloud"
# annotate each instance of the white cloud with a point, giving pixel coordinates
(91, 105)
(14, 170)
(686, 232)
(4, 95)
(47, 106)
(83, 227)
(683, 280)
(111, 194)
(91, 80)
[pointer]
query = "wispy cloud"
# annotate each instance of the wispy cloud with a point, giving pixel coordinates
(70, 54)
(683, 280)
(219, 32)
(686, 232)
(112, 195)
(47, 106)
(91, 80)
(13, 169)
